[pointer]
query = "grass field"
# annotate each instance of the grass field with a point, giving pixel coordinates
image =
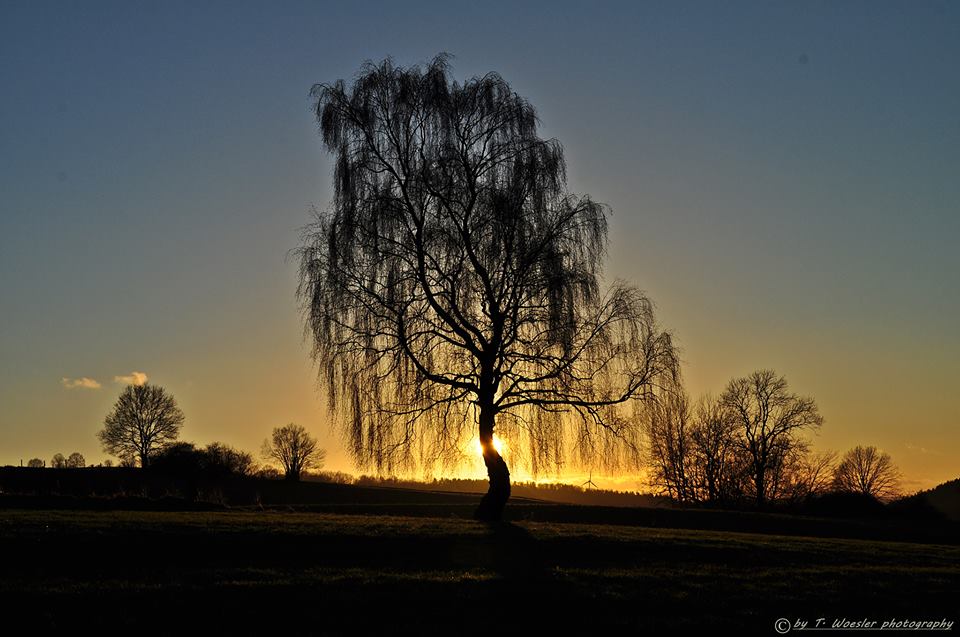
(305, 573)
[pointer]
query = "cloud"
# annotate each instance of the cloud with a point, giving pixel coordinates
(133, 378)
(79, 383)
(922, 450)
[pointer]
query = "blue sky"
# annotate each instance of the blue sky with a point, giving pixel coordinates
(783, 179)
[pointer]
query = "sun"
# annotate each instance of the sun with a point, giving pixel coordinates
(498, 444)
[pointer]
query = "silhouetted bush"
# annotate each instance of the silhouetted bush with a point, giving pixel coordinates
(184, 459)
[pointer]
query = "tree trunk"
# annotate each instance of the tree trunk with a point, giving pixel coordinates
(491, 506)
(761, 487)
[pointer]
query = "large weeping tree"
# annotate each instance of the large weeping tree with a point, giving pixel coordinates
(453, 285)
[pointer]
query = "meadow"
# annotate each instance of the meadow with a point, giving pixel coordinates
(259, 571)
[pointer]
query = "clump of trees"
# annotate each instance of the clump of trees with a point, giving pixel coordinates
(294, 449)
(750, 444)
(216, 459)
(143, 421)
(74, 461)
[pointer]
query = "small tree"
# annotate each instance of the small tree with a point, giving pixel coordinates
(58, 461)
(144, 419)
(769, 419)
(35, 463)
(294, 449)
(76, 460)
(867, 471)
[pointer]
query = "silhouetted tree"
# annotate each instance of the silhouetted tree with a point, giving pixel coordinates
(76, 460)
(58, 461)
(768, 419)
(144, 419)
(294, 449)
(670, 447)
(867, 471)
(718, 459)
(35, 463)
(454, 282)
(108, 462)
(808, 474)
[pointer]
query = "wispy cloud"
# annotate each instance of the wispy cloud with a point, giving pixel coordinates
(79, 383)
(922, 450)
(133, 378)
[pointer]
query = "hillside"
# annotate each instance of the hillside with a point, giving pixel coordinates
(943, 499)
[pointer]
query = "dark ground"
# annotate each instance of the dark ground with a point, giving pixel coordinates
(317, 572)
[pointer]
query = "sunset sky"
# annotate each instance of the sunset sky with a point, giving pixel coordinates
(784, 180)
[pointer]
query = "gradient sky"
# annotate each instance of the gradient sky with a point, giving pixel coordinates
(784, 180)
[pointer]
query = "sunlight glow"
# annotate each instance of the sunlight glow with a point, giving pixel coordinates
(498, 444)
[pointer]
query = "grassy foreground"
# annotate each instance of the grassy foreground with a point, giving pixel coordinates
(318, 573)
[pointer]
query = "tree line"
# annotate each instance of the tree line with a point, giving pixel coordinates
(751, 444)
(74, 461)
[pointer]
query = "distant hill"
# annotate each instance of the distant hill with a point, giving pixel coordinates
(942, 500)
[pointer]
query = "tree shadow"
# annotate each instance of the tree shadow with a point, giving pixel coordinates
(517, 555)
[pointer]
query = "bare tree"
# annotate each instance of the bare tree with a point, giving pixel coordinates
(76, 460)
(670, 447)
(769, 420)
(58, 461)
(868, 471)
(810, 474)
(35, 463)
(454, 282)
(294, 449)
(716, 455)
(144, 419)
